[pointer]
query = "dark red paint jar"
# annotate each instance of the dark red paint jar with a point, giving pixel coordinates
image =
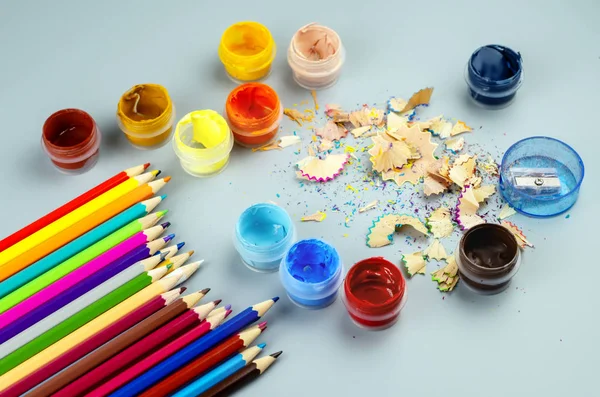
(70, 137)
(374, 293)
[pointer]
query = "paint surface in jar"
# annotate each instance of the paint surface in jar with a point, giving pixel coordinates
(374, 284)
(315, 42)
(312, 261)
(253, 101)
(260, 226)
(245, 39)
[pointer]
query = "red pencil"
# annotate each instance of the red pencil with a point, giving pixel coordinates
(140, 367)
(71, 206)
(139, 349)
(205, 362)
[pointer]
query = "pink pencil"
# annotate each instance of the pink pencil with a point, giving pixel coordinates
(80, 274)
(166, 351)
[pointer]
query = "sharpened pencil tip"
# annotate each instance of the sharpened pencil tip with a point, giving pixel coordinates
(162, 213)
(216, 302)
(164, 196)
(262, 345)
(182, 290)
(191, 252)
(227, 313)
(155, 172)
(262, 326)
(167, 178)
(146, 165)
(169, 266)
(275, 299)
(228, 307)
(165, 225)
(205, 291)
(275, 355)
(180, 245)
(169, 237)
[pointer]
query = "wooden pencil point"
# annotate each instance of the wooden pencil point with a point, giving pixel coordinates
(275, 355)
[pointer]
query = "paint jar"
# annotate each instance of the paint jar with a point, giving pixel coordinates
(316, 56)
(488, 257)
(311, 273)
(374, 293)
(247, 51)
(494, 74)
(202, 141)
(541, 176)
(263, 234)
(146, 115)
(254, 112)
(71, 138)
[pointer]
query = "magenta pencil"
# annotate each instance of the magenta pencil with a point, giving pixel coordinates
(80, 274)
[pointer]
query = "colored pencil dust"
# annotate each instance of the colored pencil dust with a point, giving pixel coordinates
(254, 113)
(247, 50)
(263, 234)
(311, 273)
(203, 141)
(374, 293)
(316, 56)
(71, 138)
(146, 115)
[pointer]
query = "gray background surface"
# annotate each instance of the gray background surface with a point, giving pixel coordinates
(538, 338)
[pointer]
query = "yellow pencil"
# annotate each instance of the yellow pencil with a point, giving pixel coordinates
(88, 330)
(75, 216)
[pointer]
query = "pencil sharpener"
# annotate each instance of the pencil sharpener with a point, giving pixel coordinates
(541, 176)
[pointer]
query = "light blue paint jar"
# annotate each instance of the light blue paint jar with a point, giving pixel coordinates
(263, 234)
(311, 273)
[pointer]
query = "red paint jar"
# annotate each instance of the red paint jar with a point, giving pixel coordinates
(374, 293)
(71, 139)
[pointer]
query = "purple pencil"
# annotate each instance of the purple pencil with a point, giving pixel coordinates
(136, 259)
(81, 273)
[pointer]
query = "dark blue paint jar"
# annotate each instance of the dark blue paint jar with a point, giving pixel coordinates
(494, 74)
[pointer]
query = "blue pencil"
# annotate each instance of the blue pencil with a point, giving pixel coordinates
(194, 349)
(74, 247)
(220, 373)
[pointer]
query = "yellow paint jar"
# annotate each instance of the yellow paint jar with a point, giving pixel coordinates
(247, 51)
(203, 141)
(146, 115)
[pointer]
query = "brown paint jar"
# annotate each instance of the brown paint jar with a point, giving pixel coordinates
(70, 137)
(488, 257)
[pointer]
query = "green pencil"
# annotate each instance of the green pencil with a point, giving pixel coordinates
(82, 317)
(75, 262)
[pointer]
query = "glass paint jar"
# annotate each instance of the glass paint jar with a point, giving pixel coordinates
(488, 258)
(374, 293)
(263, 234)
(253, 112)
(71, 138)
(203, 142)
(146, 115)
(316, 56)
(311, 273)
(494, 74)
(247, 50)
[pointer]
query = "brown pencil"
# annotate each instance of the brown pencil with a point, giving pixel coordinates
(118, 344)
(241, 377)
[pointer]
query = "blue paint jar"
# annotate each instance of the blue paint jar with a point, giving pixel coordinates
(263, 234)
(311, 273)
(494, 73)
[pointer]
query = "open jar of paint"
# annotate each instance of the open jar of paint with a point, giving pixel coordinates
(263, 234)
(311, 273)
(488, 258)
(247, 50)
(494, 74)
(254, 112)
(146, 115)
(541, 176)
(374, 293)
(71, 138)
(202, 141)
(316, 56)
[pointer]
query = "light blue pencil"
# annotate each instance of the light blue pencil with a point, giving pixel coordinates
(74, 247)
(219, 374)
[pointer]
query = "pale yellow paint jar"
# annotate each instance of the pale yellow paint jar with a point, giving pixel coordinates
(247, 50)
(203, 142)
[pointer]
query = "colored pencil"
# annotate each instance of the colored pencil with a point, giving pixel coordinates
(137, 246)
(242, 377)
(196, 348)
(72, 323)
(132, 265)
(86, 256)
(76, 246)
(74, 217)
(71, 205)
(220, 373)
(205, 362)
(177, 261)
(26, 371)
(190, 325)
(117, 344)
(87, 299)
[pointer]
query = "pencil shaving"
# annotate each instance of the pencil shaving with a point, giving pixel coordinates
(414, 263)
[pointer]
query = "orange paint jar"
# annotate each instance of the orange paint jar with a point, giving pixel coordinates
(253, 112)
